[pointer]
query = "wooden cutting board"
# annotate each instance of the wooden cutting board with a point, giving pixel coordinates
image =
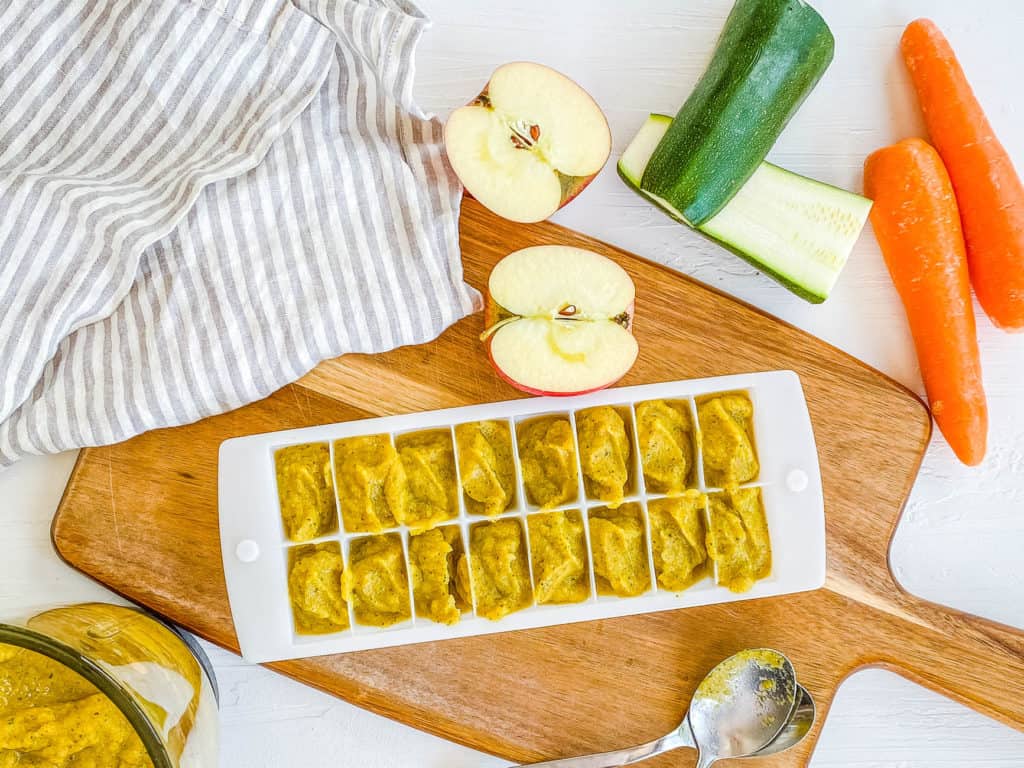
(141, 517)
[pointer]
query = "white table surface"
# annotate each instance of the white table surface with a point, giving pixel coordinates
(963, 533)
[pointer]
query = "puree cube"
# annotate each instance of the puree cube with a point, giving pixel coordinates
(547, 454)
(427, 495)
(433, 560)
(678, 540)
(500, 568)
(558, 551)
(664, 430)
(363, 467)
(314, 588)
(376, 581)
(606, 453)
(305, 491)
(618, 544)
(727, 439)
(486, 466)
(738, 538)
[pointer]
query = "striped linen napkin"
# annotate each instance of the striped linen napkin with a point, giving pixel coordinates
(202, 199)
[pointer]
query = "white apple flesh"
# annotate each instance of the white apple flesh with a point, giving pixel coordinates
(529, 143)
(560, 320)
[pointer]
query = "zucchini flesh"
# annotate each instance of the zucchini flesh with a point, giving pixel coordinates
(770, 55)
(795, 229)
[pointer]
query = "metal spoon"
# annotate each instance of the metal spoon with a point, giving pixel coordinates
(738, 709)
(794, 731)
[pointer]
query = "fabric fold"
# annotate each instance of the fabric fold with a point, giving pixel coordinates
(335, 231)
(113, 117)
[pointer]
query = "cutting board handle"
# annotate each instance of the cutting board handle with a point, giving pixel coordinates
(975, 661)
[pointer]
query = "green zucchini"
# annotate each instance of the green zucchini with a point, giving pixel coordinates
(797, 230)
(771, 53)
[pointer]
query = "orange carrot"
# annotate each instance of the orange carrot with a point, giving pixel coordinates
(916, 222)
(988, 190)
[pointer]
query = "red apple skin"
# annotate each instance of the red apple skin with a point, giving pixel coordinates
(570, 190)
(491, 313)
(577, 185)
(539, 392)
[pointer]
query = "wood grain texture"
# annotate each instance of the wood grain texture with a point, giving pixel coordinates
(141, 517)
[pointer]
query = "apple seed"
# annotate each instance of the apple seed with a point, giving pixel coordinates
(524, 135)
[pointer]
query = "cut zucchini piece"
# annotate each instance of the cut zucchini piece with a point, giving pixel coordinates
(797, 230)
(770, 55)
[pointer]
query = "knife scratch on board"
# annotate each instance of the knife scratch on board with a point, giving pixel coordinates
(113, 503)
(304, 408)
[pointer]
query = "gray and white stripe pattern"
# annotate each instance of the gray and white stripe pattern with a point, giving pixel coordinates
(201, 199)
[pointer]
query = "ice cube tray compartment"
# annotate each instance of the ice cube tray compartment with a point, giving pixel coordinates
(517, 496)
(251, 520)
(632, 490)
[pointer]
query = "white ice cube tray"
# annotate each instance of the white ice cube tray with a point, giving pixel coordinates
(255, 549)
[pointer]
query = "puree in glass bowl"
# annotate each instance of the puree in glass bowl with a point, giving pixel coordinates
(51, 716)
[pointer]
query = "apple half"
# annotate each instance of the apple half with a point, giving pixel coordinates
(559, 320)
(529, 143)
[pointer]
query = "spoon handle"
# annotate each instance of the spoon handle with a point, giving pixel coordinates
(625, 756)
